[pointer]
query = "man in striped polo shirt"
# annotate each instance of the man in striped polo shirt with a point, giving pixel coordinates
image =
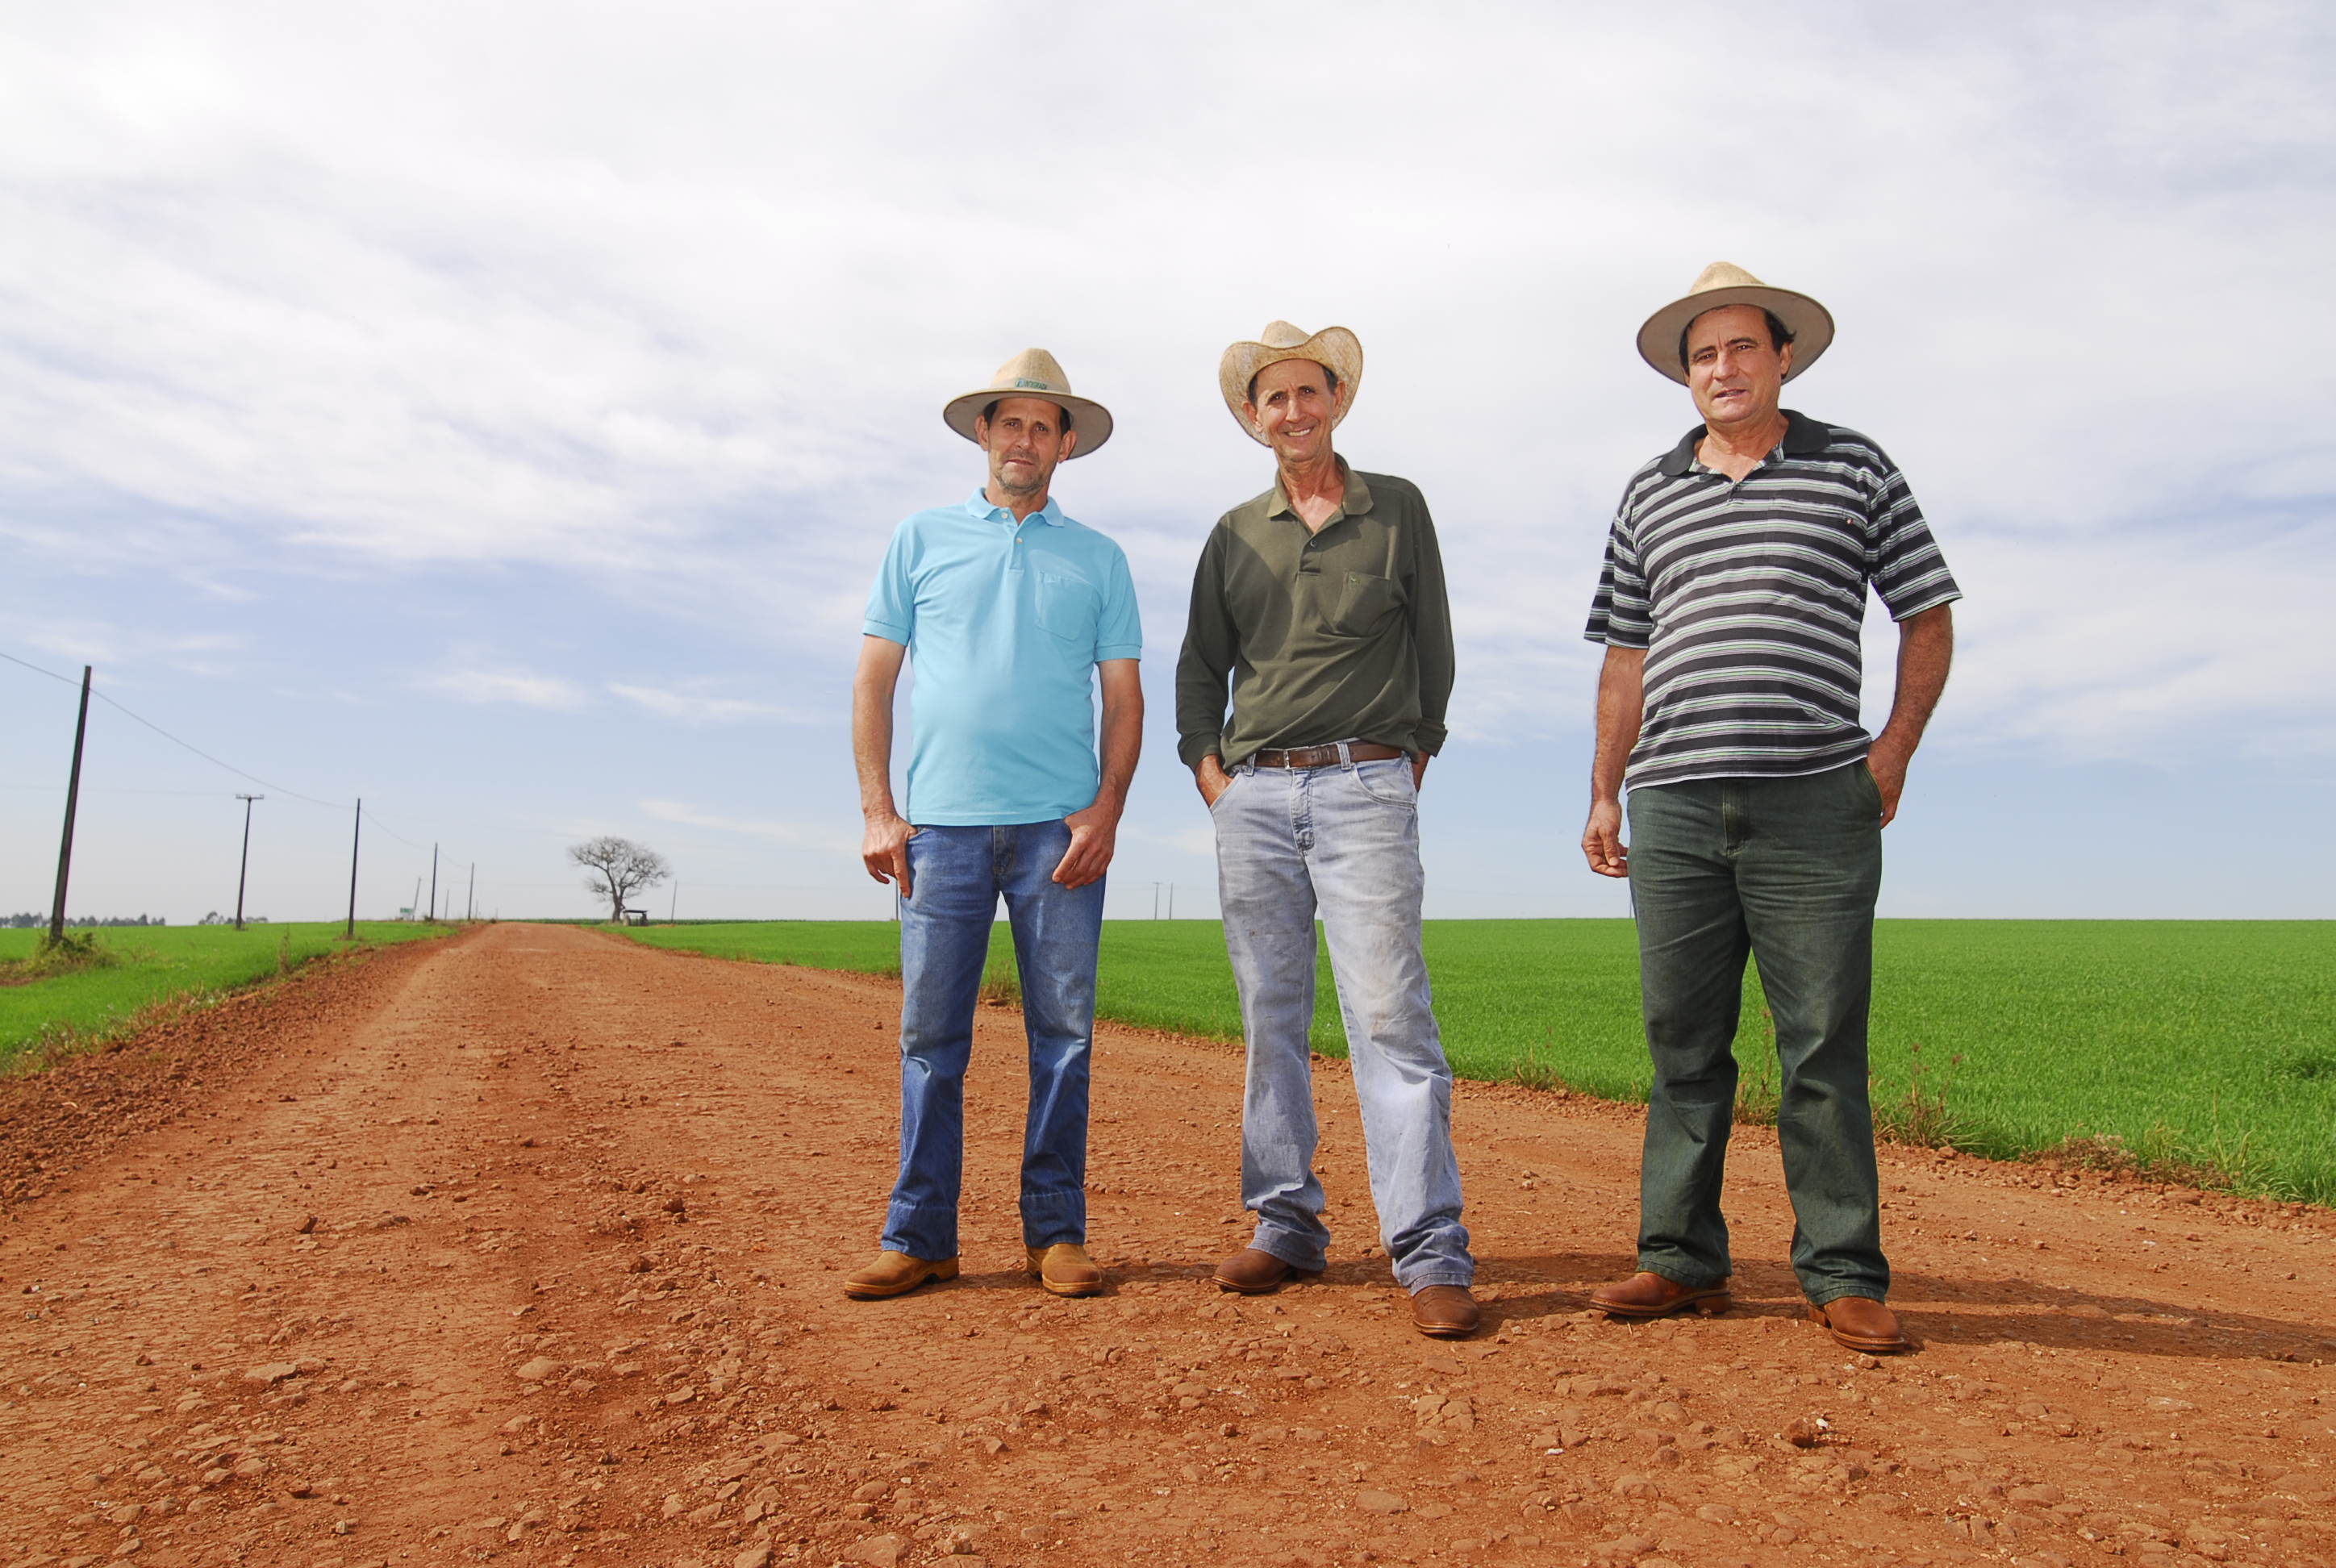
(1730, 607)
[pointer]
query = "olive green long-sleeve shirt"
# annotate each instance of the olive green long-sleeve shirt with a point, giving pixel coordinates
(1344, 634)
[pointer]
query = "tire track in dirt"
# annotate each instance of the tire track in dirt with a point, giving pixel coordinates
(572, 1295)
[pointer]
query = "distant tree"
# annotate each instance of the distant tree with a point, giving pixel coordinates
(621, 869)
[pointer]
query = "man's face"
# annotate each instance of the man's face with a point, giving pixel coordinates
(1024, 438)
(1733, 371)
(1295, 406)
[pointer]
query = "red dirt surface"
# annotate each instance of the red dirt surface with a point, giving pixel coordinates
(528, 1244)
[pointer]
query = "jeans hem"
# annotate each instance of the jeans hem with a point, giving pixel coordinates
(1290, 1249)
(1435, 1277)
(1834, 1290)
(1684, 1277)
(906, 1232)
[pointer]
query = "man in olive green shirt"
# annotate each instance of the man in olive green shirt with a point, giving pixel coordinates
(1322, 602)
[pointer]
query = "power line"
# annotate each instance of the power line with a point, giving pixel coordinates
(91, 789)
(378, 815)
(36, 670)
(174, 740)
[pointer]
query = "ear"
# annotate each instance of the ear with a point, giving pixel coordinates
(1070, 445)
(1785, 358)
(981, 433)
(1250, 418)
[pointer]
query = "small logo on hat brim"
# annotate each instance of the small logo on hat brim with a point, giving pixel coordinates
(1022, 381)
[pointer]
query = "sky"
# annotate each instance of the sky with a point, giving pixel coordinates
(499, 413)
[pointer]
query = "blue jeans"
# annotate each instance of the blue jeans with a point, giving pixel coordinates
(1344, 839)
(1786, 869)
(956, 875)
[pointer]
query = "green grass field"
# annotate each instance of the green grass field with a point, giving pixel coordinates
(157, 963)
(2205, 1043)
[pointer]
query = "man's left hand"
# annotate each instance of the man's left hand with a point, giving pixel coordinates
(1888, 764)
(1095, 834)
(1418, 770)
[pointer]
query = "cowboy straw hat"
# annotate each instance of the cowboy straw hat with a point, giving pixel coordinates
(1725, 283)
(1333, 347)
(1033, 373)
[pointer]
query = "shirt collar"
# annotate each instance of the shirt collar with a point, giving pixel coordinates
(1803, 435)
(978, 503)
(1355, 501)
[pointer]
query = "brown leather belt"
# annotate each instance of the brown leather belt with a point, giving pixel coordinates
(1325, 755)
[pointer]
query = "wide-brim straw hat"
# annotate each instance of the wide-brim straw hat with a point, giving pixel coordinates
(1334, 347)
(1033, 373)
(1725, 283)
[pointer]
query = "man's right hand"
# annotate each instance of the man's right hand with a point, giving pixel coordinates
(1212, 778)
(1601, 841)
(884, 850)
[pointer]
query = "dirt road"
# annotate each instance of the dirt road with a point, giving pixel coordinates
(527, 1244)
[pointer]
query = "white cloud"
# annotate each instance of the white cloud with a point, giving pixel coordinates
(692, 707)
(516, 687)
(793, 834)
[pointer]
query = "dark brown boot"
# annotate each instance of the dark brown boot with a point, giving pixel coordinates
(1863, 1324)
(1650, 1295)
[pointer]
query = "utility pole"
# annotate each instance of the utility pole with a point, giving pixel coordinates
(72, 799)
(356, 834)
(1156, 901)
(414, 910)
(433, 883)
(674, 907)
(470, 898)
(243, 873)
(1172, 900)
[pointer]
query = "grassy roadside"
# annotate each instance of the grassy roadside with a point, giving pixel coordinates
(2205, 1048)
(141, 969)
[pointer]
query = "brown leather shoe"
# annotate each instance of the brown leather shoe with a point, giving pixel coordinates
(1444, 1311)
(1254, 1271)
(1650, 1295)
(896, 1274)
(1863, 1323)
(1064, 1269)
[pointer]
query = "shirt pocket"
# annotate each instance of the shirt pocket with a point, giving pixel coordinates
(1068, 607)
(1365, 604)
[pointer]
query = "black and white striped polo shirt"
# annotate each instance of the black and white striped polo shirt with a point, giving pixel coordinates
(1747, 596)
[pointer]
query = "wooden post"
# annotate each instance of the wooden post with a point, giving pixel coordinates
(243, 873)
(355, 835)
(73, 799)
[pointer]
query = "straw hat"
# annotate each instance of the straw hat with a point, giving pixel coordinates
(1334, 347)
(1033, 373)
(1725, 283)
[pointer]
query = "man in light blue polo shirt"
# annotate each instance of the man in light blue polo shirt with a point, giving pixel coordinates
(1009, 609)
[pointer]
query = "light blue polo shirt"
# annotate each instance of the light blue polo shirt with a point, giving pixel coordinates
(1003, 624)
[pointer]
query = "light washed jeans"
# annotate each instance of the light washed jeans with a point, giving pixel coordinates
(1344, 841)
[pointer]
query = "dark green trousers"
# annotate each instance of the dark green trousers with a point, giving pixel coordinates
(1786, 870)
